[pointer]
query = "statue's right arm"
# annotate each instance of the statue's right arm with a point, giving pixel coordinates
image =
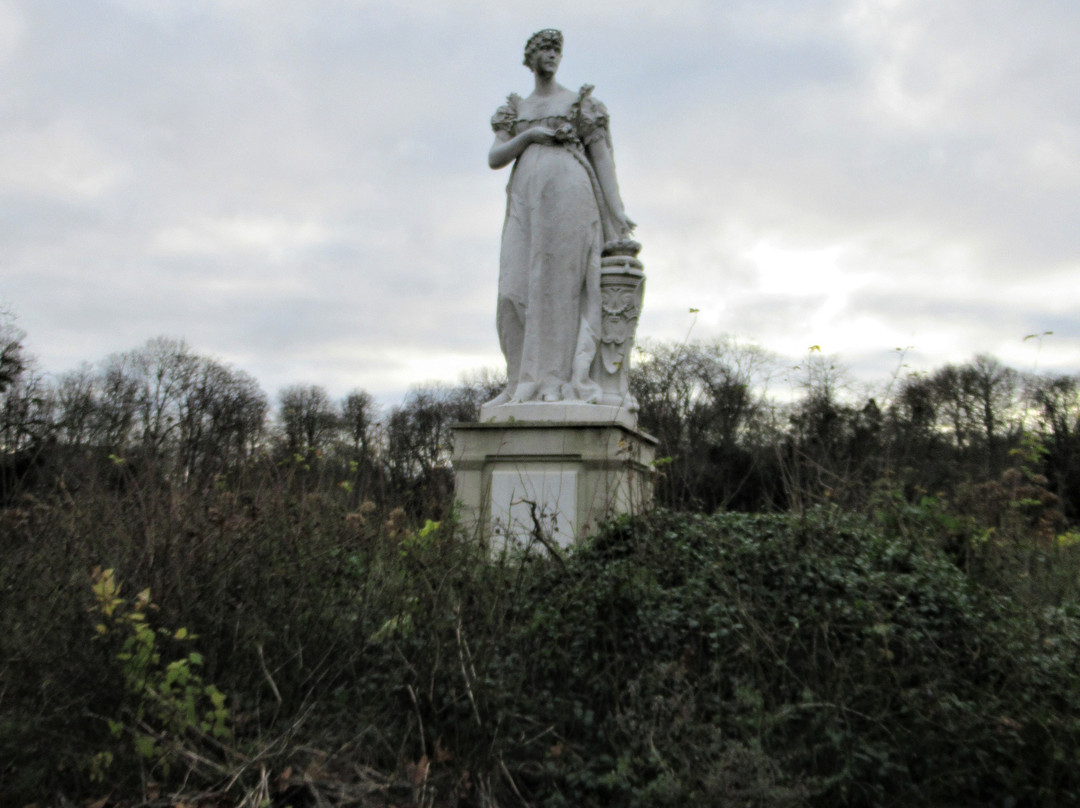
(506, 149)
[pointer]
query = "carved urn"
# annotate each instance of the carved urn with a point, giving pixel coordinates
(622, 285)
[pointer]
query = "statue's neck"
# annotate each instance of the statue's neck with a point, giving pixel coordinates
(546, 85)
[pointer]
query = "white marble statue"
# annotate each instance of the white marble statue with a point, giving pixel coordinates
(563, 207)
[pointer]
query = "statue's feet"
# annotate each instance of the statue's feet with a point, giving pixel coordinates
(526, 391)
(586, 390)
(499, 400)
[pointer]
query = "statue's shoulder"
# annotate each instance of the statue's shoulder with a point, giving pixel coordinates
(590, 112)
(504, 117)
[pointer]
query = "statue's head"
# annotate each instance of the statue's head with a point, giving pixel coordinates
(548, 38)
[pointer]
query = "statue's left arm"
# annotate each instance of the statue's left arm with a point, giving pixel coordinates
(604, 166)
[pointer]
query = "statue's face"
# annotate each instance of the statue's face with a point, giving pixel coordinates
(546, 60)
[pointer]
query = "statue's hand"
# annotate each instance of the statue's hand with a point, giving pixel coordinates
(625, 224)
(542, 135)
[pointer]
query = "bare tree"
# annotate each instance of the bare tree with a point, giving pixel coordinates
(222, 414)
(706, 404)
(358, 420)
(307, 419)
(13, 365)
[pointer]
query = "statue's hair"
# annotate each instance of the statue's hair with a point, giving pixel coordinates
(542, 39)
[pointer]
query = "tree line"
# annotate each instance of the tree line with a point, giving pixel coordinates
(739, 428)
(735, 441)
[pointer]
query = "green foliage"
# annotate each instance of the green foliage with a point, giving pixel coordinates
(836, 666)
(732, 659)
(168, 705)
(1009, 533)
(753, 660)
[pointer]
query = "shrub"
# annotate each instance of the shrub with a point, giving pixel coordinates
(673, 659)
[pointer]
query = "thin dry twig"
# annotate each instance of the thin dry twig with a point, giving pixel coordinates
(538, 534)
(513, 785)
(462, 650)
(270, 749)
(419, 720)
(266, 673)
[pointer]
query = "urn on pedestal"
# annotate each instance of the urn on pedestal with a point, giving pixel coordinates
(622, 286)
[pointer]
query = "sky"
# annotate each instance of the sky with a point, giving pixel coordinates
(301, 189)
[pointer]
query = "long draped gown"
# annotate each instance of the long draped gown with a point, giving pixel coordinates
(548, 313)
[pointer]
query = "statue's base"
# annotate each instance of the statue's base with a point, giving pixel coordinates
(558, 412)
(516, 478)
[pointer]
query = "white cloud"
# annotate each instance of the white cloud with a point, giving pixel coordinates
(303, 185)
(271, 238)
(58, 160)
(1054, 158)
(12, 29)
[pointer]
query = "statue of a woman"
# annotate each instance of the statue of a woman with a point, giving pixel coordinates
(563, 206)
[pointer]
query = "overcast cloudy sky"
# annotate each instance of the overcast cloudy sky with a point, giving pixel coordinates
(301, 188)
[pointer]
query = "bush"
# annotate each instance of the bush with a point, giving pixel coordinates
(673, 659)
(766, 660)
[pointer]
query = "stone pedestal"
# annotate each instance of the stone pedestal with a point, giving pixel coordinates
(563, 475)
